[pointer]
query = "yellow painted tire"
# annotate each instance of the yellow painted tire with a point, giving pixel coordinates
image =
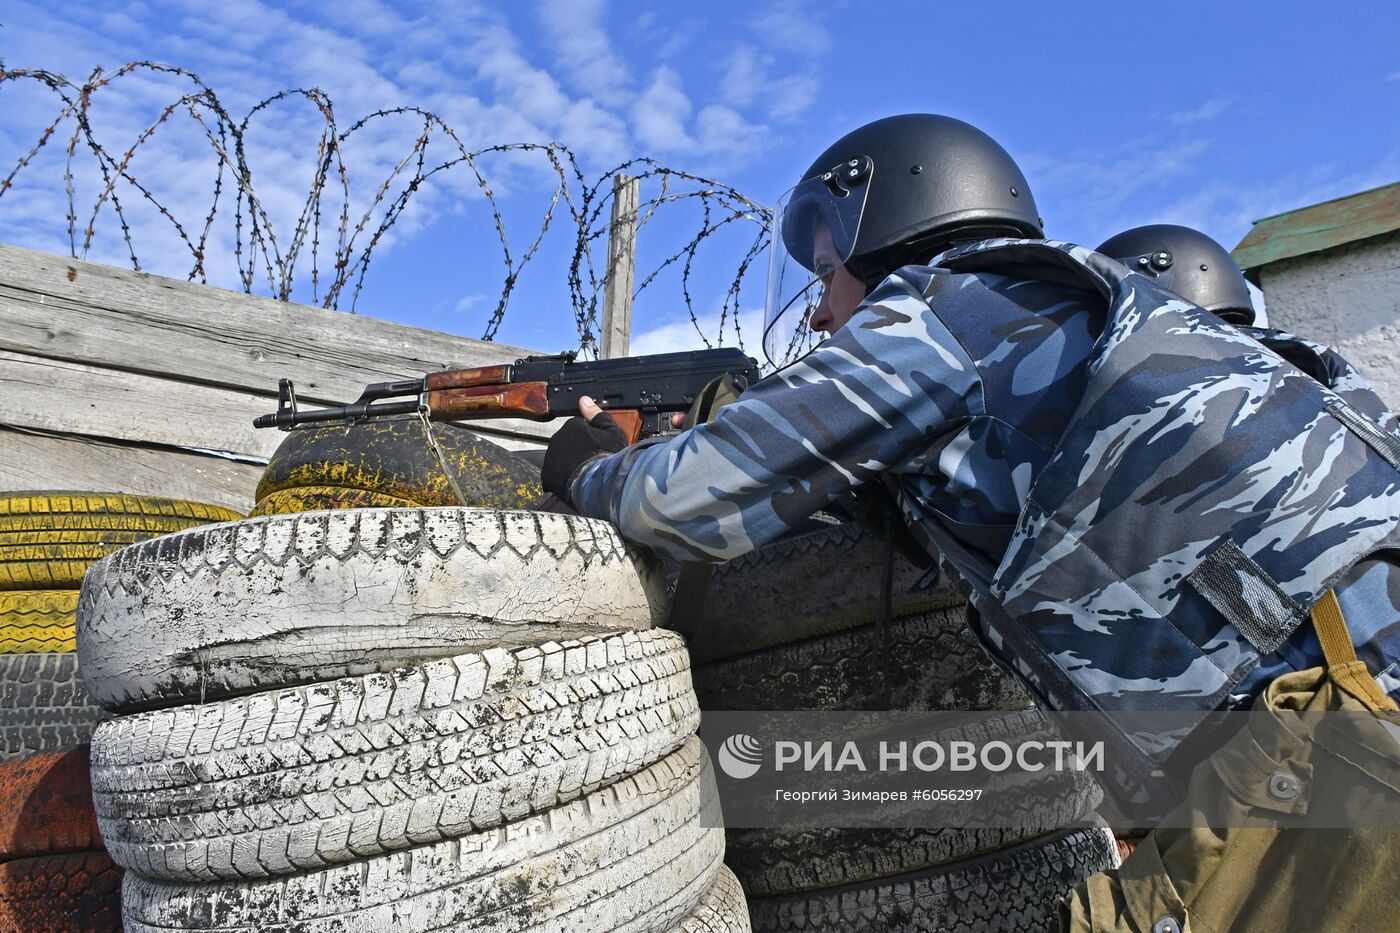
(37, 621)
(80, 537)
(49, 539)
(392, 457)
(322, 498)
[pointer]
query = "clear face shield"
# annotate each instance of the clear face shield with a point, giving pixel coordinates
(815, 226)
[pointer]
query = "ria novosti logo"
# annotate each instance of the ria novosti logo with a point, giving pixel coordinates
(740, 756)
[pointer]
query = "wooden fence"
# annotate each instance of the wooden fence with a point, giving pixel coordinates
(123, 381)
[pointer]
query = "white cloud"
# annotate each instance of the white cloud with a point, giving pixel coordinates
(778, 70)
(1207, 111)
(423, 75)
(744, 76)
(722, 131)
(679, 334)
(469, 302)
(674, 337)
(576, 30)
(1100, 180)
(754, 77)
(606, 133)
(675, 41)
(660, 112)
(178, 162)
(661, 121)
(791, 26)
(532, 91)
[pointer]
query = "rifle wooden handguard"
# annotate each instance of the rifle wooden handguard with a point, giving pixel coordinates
(467, 378)
(522, 400)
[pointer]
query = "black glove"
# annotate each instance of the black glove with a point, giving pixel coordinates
(573, 445)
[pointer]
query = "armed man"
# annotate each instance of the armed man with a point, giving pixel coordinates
(1195, 267)
(1153, 510)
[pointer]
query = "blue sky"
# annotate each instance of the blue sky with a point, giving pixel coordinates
(1207, 114)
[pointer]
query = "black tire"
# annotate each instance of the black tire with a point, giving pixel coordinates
(393, 457)
(43, 704)
(1009, 891)
(786, 592)
(935, 664)
(76, 893)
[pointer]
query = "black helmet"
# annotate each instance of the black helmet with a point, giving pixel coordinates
(891, 193)
(1189, 263)
(932, 181)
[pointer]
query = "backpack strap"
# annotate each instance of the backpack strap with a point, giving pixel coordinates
(1343, 666)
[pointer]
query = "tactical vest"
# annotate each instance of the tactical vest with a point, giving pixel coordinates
(1203, 496)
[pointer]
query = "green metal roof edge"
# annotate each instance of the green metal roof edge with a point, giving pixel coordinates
(1322, 226)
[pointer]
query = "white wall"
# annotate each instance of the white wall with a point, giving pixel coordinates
(1349, 299)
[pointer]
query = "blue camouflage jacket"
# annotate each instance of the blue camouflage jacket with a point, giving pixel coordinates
(1102, 461)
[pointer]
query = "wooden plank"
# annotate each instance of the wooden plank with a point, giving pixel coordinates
(1320, 227)
(56, 395)
(622, 261)
(35, 462)
(114, 318)
(70, 398)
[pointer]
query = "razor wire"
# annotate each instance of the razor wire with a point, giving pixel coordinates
(337, 241)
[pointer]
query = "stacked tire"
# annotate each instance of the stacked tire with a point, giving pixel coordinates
(47, 542)
(55, 876)
(400, 719)
(54, 873)
(393, 463)
(793, 626)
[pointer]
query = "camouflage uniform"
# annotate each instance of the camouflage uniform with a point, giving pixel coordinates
(1144, 499)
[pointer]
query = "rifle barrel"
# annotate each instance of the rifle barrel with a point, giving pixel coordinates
(355, 412)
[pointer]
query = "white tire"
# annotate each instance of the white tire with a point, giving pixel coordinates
(289, 599)
(722, 909)
(312, 776)
(634, 857)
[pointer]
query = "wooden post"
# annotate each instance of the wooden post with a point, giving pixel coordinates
(622, 259)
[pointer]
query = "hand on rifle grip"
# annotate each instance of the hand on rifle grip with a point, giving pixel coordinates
(587, 408)
(578, 441)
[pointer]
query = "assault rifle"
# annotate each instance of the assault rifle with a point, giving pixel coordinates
(640, 392)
